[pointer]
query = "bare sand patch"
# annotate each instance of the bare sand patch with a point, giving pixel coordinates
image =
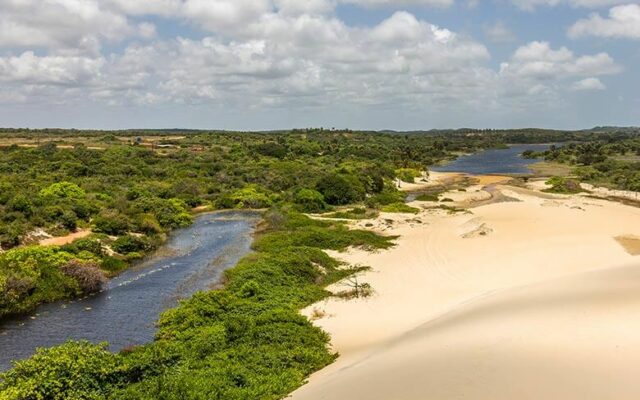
(62, 240)
(491, 179)
(547, 306)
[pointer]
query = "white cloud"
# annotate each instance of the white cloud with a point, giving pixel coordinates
(539, 70)
(166, 8)
(401, 3)
(301, 60)
(221, 15)
(537, 60)
(263, 54)
(532, 4)
(49, 70)
(76, 25)
(588, 84)
(623, 22)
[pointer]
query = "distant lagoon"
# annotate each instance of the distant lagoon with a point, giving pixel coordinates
(494, 161)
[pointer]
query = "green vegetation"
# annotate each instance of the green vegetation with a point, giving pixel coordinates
(247, 341)
(563, 185)
(408, 174)
(122, 184)
(400, 208)
(32, 275)
(609, 162)
(132, 192)
(354, 213)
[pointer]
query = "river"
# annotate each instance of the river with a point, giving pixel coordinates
(494, 161)
(125, 313)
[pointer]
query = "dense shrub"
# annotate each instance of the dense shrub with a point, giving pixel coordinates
(31, 275)
(129, 244)
(309, 200)
(89, 277)
(407, 174)
(250, 197)
(111, 222)
(169, 213)
(63, 190)
(147, 224)
(389, 195)
(271, 149)
(74, 371)
(340, 189)
(93, 246)
(20, 203)
(563, 185)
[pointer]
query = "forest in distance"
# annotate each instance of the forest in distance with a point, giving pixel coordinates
(126, 190)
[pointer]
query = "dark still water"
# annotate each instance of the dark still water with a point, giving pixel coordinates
(502, 161)
(125, 314)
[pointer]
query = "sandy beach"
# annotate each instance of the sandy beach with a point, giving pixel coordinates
(536, 296)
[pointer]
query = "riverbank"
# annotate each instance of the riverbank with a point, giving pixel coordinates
(125, 312)
(535, 295)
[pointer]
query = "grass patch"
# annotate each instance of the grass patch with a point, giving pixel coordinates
(546, 168)
(428, 197)
(400, 208)
(354, 213)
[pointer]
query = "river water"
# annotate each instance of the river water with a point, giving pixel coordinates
(125, 313)
(497, 161)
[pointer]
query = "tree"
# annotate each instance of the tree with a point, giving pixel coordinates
(310, 200)
(63, 190)
(111, 222)
(340, 189)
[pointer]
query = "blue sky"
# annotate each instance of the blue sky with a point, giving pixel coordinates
(361, 64)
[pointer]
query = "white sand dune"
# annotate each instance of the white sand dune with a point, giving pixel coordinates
(544, 305)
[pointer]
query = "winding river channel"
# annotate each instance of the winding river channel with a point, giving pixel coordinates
(125, 313)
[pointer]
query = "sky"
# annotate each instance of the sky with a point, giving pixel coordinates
(358, 64)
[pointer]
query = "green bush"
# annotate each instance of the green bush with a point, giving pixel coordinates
(407, 174)
(563, 185)
(33, 275)
(169, 213)
(73, 371)
(250, 197)
(310, 201)
(111, 222)
(113, 265)
(63, 190)
(129, 244)
(93, 246)
(341, 189)
(20, 203)
(389, 195)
